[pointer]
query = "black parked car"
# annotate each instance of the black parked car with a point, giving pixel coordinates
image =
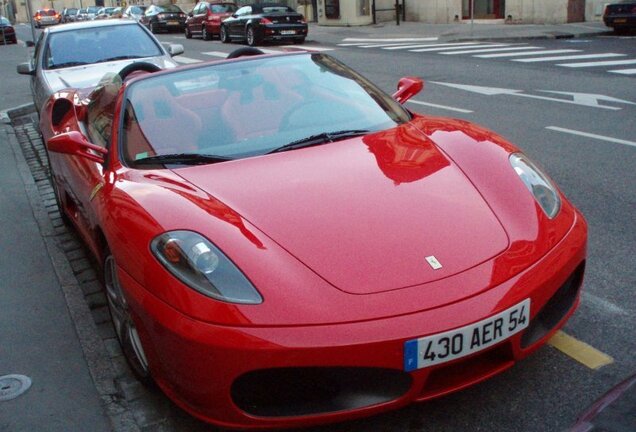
(7, 32)
(265, 22)
(164, 18)
(621, 16)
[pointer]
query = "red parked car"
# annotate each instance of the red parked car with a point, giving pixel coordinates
(284, 244)
(7, 32)
(206, 17)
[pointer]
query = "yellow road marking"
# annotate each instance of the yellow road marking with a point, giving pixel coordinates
(580, 351)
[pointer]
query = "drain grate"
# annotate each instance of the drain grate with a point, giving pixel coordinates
(12, 386)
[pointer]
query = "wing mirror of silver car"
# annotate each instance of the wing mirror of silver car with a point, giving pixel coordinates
(174, 49)
(25, 69)
(407, 88)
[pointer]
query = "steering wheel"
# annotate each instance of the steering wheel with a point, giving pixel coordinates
(138, 66)
(245, 51)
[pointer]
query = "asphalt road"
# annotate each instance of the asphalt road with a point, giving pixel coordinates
(576, 122)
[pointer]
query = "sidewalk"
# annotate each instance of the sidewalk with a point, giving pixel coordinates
(456, 32)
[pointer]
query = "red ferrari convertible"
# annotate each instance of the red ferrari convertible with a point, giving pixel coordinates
(283, 244)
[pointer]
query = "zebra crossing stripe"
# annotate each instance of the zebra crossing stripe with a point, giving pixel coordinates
(186, 60)
(430, 45)
(574, 57)
(469, 51)
(529, 53)
(624, 71)
(599, 63)
(366, 40)
(456, 48)
(215, 54)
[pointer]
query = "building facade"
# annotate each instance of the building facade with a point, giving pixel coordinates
(360, 12)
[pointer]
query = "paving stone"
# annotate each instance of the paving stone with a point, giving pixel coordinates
(113, 347)
(101, 315)
(105, 330)
(96, 300)
(81, 264)
(91, 287)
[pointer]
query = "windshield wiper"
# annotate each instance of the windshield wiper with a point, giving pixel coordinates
(182, 159)
(320, 138)
(121, 57)
(68, 64)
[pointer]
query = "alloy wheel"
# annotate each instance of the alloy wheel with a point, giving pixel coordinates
(122, 321)
(223, 35)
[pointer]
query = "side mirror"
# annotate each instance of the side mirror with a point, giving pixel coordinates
(74, 143)
(175, 49)
(407, 88)
(25, 69)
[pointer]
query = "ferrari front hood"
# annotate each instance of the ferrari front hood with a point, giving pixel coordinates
(372, 214)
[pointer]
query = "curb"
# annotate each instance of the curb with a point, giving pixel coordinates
(61, 245)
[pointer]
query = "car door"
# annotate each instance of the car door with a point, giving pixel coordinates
(237, 24)
(38, 85)
(198, 16)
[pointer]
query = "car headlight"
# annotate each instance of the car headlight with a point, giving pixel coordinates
(537, 183)
(196, 262)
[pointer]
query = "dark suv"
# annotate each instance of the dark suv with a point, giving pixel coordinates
(206, 17)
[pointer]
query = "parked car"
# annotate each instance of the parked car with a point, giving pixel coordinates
(205, 19)
(68, 15)
(104, 13)
(91, 12)
(118, 12)
(283, 244)
(266, 22)
(135, 12)
(44, 17)
(7, 32)
(81, 15)
(78, 54)
(621, 16)
(164, 18)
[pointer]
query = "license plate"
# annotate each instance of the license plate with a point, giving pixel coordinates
(620, 20)
(173, 22)
(288, 32)
(444, 347)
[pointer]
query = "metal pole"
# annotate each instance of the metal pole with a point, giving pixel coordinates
(403, 10)
(397, 12)
(373, 11)
(30, 16)
(472, 16)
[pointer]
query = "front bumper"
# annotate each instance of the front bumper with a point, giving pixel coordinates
(625, 21)
(272, 33)
(268, 377)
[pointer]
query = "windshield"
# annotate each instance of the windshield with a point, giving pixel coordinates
(4, 21)
(252, 107)
(98, 44)
(223, 8)
(93, 9)
(169, 8)
(276, 9)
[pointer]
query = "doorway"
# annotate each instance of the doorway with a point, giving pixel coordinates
(484, 9)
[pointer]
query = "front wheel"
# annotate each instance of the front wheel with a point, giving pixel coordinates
(153, 27)
(123, 323)
(225, 38)
(188, 34)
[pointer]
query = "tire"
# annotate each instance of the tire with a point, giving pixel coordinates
(123, 323)
(250, 36)
(225, 38)
(188, 34)
(204, 33)
(153, 27)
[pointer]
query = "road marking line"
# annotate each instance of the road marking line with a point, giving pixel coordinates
(529, 53)
(458, 48)
(589, 135)
(430, 45)
(461, 110)
(307, 48)
(574, 57)
(580, 351)
(391, 40)
(186, 60)
(380, 45)
(624, 71)
(469, 51)
(215, 54)
(599, 63)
